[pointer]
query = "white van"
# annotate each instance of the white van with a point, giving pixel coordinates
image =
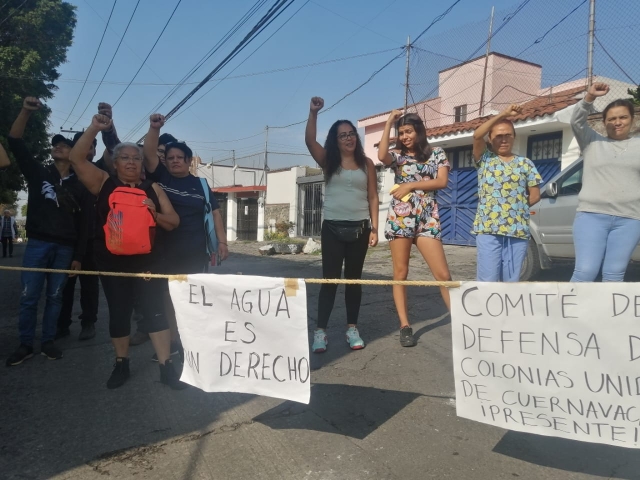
(551, 224)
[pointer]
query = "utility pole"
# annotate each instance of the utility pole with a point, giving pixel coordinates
(266, 159)
(406, 76)
(486, 64)
(233, 158)
(592, 32)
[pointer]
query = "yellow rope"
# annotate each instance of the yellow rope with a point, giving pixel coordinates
(341, 281)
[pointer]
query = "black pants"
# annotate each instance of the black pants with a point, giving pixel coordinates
(7, 241)
(334, 254)
(89, 294)
(123, 292)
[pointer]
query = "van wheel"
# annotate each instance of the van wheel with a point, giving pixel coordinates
(531, 265)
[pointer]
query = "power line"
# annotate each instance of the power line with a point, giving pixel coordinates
(150, 51)
(14, 11)
(111, 62)
(278, 8)
(93, 61)
(183, 81)
(614, 61)
(247, 58)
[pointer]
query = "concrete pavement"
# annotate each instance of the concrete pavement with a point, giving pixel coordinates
(384, 412)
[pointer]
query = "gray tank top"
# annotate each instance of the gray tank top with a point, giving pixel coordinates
(345, 196)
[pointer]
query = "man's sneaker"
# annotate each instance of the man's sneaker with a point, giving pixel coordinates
(120, 373)
(354, 340)
(49, 350)
(88, 332)
(319, 341)
(406, 337)
(174, 349)
(170, 377)
(62, 333)
(138, 339)
(23, 353)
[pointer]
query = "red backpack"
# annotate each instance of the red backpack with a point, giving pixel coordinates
(130, 227)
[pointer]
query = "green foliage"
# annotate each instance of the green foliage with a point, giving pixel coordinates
(23, 210)
(635, 94)
(276, 236)
(284, 227)
(33, 44)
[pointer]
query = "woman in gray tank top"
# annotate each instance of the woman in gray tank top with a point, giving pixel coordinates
(606, 229)
(350, 218)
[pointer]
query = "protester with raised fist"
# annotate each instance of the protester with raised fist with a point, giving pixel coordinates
(508, 185)
(127, 213)
(413, 212)
(350, 218)
(57, 228)
(606, 229)
(186, 246)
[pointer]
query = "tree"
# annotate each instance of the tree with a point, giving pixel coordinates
(34, 39)
(635, 94)
(23, 210)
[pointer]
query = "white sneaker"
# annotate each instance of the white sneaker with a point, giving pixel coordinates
(319, 341)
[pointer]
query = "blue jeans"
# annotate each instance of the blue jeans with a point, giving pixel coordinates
(605, 241)
(39, 254)
(500, 257)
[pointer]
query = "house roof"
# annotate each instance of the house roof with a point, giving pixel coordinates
(538, 107)
(513, 59)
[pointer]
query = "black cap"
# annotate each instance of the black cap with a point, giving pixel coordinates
(180, 146)
(61, 138)
(77, 136)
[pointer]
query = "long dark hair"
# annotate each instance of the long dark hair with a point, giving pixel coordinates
(333, 160)
(423, 149)
(621, 102)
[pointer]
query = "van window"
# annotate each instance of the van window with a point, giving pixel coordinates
(572, 184)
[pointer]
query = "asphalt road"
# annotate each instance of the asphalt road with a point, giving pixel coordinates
(384, 412)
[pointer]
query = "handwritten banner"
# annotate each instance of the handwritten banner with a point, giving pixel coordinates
(557, 359)
(244, 334)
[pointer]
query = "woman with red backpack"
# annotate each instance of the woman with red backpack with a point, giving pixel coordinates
(128, 212)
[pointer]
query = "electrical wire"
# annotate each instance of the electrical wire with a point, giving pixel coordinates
(279, 7)
(614, 61)
(14, 11)
(183, 81)
(150, 51)
(111, 62)
(247, 58)
(93, 61)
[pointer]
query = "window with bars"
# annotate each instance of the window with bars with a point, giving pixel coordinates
(545, 147)
(460, 113)
(460, 157)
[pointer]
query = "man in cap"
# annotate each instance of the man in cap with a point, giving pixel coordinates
(57, 228)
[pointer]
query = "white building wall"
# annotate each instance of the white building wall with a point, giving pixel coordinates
(232, 217)
(282, 188)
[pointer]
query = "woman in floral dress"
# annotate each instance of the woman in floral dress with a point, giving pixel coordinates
(413, 213)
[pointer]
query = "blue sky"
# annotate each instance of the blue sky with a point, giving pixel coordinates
(241, 107)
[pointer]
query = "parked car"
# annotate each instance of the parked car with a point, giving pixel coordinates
(552, 218)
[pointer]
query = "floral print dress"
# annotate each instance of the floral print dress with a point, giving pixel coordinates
(418, 217)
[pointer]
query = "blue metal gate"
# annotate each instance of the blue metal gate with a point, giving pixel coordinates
(458, 202)
(457, 207)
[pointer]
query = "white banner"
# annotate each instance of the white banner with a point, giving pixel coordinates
(244, 334)
(558, 359)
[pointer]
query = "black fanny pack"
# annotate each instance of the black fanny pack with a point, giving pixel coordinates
(347, 231)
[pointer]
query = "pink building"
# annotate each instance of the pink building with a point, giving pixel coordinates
(543, 131)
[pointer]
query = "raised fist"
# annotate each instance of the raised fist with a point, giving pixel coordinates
(316, 104)
(598, 89)
(395, 115)
(511, 110)
(32, 104)
(105, 109)
(101, 122)
(156, 121)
